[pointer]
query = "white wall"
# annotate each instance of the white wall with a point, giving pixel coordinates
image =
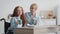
(7, 6)
(58, 15)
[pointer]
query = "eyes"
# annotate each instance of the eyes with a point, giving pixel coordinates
(19, 9)
(34, 7)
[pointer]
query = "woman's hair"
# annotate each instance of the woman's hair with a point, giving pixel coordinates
(15, 13)
(34, 4)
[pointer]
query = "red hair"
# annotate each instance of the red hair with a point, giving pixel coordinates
(15, 13)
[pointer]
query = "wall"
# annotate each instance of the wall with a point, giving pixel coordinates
(7, 6)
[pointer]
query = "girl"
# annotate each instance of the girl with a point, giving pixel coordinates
(18, 19)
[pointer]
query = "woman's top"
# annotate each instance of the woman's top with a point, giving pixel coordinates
(30, 20)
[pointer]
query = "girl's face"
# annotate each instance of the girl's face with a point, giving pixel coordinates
(19, 11)
(33, 9)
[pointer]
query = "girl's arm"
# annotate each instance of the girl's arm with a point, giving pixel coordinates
(13, 23)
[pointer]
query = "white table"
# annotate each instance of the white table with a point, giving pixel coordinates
(37, 30)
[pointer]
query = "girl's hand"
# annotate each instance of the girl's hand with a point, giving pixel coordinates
(17, 22)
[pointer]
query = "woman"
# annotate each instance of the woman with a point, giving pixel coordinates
(18, 19)
(32, 17)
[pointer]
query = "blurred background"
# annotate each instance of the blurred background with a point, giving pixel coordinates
(49, 10)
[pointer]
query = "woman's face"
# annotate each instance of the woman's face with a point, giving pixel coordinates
(33, 9)
(19, 11)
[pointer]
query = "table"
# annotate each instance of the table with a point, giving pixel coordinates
(37, 30)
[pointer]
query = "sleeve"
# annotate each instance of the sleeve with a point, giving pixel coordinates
(26, 16)
(13, 23)
(38, 20)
